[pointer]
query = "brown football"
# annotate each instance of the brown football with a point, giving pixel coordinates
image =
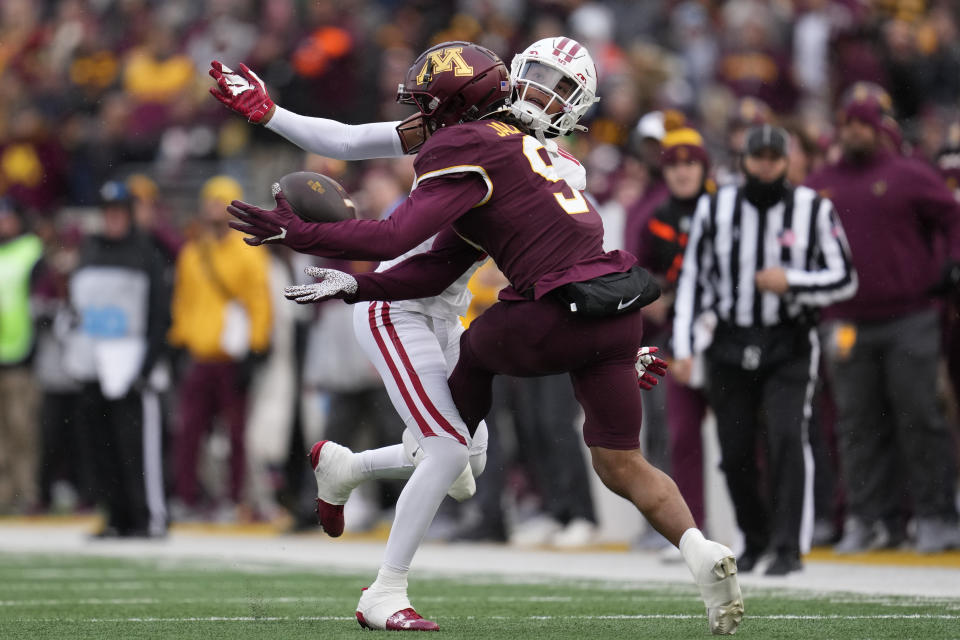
(315, 197)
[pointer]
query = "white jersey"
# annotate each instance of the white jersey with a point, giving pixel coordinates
(380, 140)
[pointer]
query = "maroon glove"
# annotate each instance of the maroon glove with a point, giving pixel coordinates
(241, 91)
(278, 225)
(649, 367)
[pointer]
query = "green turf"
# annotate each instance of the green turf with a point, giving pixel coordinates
(59, 597)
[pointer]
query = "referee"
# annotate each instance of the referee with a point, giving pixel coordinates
(761, 259)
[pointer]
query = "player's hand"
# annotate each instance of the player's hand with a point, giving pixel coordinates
(649, 366)
(333, 284)
(263, 226)
(242, 92)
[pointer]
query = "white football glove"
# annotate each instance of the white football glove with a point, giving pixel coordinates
(333, 284)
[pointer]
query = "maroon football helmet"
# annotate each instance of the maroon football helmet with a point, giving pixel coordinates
(450, 83)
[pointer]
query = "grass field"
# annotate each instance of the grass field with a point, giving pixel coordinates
(47, 596)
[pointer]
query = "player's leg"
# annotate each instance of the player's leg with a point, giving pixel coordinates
(385, 604)
(411, 363)
(410, 360)
(533, 338)
(611, 402)
(448, 332)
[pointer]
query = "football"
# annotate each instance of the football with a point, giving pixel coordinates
(315, 197)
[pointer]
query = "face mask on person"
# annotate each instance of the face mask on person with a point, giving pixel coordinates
(764, 195)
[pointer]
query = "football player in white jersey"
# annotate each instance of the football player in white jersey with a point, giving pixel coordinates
(414, 344)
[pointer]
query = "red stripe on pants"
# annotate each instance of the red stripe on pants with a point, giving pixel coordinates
(424, 427)
(415, 379)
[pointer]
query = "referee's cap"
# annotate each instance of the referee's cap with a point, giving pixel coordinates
(767, 137)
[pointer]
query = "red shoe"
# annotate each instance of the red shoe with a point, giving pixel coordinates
(372, 613)
(332, 466)
(405, 620)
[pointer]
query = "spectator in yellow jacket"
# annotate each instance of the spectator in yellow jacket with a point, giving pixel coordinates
(221, 318)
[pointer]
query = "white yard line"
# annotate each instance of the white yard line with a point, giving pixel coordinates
(462, 561)
(651, 616)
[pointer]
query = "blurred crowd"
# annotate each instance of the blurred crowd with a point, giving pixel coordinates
(125, 300)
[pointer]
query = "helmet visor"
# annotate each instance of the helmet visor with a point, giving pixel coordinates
(549, 79)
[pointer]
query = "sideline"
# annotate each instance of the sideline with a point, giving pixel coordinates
(315, 551)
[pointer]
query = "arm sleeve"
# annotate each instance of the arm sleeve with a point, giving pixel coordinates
(420, 276)
(836, 280)
(432, 206)
(690, 284)
(334, 139)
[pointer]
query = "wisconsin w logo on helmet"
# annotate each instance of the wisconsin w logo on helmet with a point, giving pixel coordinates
(555, 84)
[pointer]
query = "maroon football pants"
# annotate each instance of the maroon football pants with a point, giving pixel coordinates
(542, 337)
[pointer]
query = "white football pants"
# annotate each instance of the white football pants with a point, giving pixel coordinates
(415, 354)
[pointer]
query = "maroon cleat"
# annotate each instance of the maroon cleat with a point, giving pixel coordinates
(330, 515)
(403, 620)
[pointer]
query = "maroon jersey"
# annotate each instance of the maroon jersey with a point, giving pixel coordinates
(498, 189)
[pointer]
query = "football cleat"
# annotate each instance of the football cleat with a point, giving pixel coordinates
(714, 569)
(379, 611)
(723, 598)
(332, 466)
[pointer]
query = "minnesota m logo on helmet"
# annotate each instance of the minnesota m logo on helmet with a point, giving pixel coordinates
(449, 59)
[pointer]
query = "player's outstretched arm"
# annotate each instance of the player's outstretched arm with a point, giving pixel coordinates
(244, 93)
(421, 276)
(432, 206)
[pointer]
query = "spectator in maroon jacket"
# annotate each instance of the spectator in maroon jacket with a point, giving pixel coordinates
(884, 343)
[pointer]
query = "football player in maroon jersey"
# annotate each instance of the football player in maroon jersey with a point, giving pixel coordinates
(488, 187)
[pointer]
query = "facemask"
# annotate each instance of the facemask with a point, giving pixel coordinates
(764, 195)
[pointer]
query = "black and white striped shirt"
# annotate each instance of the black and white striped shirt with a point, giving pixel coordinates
(730, 241)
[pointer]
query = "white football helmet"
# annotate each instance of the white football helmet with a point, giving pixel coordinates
(553, 70)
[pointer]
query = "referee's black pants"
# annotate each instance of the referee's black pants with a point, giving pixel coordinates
(125, 440)
(763, 415)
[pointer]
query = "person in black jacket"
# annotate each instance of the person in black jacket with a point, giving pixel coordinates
(121, 299)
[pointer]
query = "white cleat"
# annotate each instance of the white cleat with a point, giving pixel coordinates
(714, 569)
(333, 466)
(390, 610)
(723, 598)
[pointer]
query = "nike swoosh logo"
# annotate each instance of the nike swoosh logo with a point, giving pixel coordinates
(623, 305)
(283, 234)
